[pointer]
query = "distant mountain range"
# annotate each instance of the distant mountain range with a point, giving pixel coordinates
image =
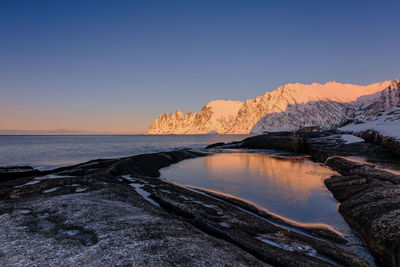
(288, 107)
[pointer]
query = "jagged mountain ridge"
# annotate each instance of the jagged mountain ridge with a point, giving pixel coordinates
(288, 107)
(215, 117)
(380, 102)
(332, 111)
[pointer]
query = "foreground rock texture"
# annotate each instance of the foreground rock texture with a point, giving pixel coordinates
(118, 212)
(82, 216)
(368, 188)
(287, 108)
(371, 204)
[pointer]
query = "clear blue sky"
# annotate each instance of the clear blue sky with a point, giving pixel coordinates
(116, 65)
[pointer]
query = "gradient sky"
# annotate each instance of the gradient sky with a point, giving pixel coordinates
(114, 66)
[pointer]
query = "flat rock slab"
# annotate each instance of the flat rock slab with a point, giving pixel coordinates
(110, 225)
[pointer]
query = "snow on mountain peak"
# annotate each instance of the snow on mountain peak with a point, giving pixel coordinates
(216, 116)
(288, 107)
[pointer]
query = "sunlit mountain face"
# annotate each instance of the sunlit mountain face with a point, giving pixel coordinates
(291, 187)
(287, 108)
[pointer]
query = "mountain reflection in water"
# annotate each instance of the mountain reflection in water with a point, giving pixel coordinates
(291, 187)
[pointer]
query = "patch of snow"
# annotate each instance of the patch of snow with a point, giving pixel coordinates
(387, 124)
(304, 248)
(349, 139)
(128, 177)
(203, 204)
(294, 246)
(135, 185)
(51, 190)
(273, 243)
(80, 189)
(28, 183)
(146, 195)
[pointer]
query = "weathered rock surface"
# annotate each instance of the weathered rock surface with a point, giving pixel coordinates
(371, 204)
(390, 143)
(97, 218)
(118, 211)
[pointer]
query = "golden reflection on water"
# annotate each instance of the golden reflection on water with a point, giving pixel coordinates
(296, 177)
(291, 187)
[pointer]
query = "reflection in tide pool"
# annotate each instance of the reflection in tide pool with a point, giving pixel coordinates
(290, 187)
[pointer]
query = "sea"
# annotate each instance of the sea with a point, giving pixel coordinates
(52, 151)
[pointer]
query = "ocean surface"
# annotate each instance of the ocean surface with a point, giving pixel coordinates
(51, 151)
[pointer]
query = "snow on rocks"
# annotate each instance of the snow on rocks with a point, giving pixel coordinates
(349, 139)
(387, 124)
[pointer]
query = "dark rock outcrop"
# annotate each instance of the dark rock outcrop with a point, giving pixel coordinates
(280, 140)
(215, 145)
(371, 204)
(374, 137)
(9, 173)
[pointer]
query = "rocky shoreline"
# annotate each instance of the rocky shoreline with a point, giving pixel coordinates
(118, 211)
(368, 188)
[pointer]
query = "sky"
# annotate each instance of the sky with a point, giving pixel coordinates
(114, 66)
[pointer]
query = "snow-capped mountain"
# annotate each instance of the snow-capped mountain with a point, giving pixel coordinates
(215, 117)
(288, 107)
(324, 105)
(374, 105)
(381, 115)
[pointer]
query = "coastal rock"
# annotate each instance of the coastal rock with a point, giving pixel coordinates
(108, 222)
(351, 168)
(372, 206)
(280, 140)
(390, 143)
(119, 211)
(215, 145)
(8, 173)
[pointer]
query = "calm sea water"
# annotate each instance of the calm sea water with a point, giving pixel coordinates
(49, 151)
(292, 187)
